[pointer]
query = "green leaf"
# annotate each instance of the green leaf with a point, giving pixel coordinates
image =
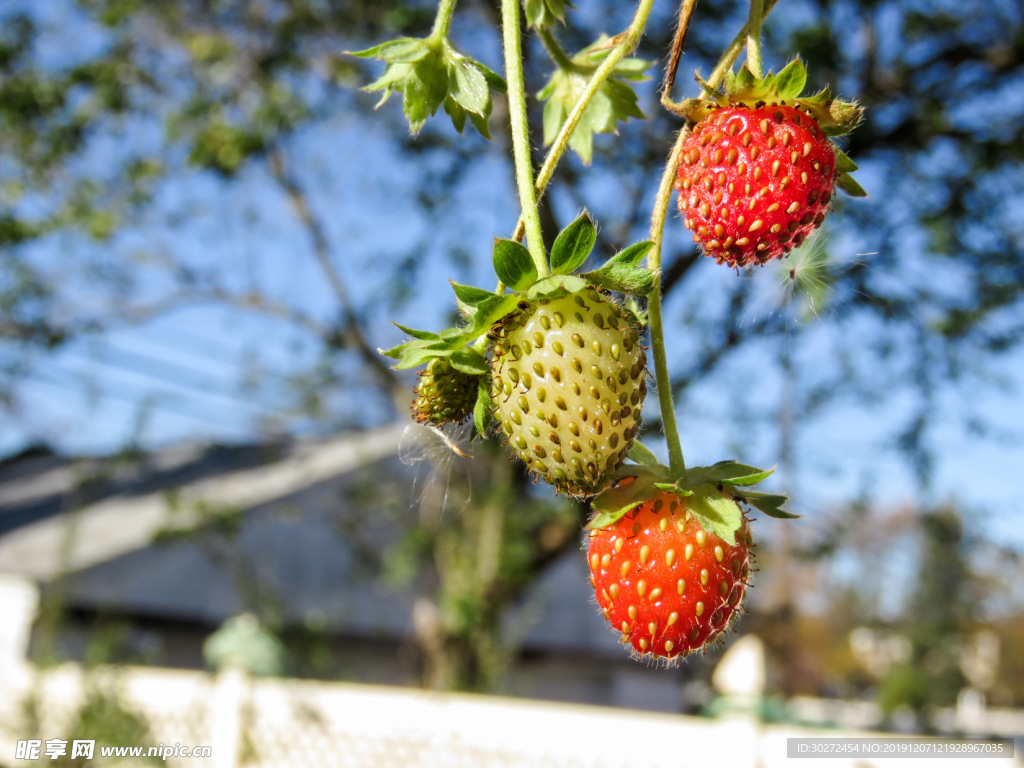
(513, 264)
(719, 515)
(470, 295)
(469, 361)
(791, 80)
(404, 50)
(423, 335)
(573, 245)
(641, 454)
(484, 408)
(632, 255)
(556, 285)
(456, 113)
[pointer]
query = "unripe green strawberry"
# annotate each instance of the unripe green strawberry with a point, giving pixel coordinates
(444, 394)
(568, 379)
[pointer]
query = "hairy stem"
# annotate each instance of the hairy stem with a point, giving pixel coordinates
(521, 133)
(736, 47)
(754, 38)
(443, 20)
(625, 43)
(664, 384)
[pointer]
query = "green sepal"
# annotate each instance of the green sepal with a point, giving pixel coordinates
(422, 335)
(404, 50)
(790, 81)
(489, 312)
(556, 285)
(614, 502)
(843, 162)
(468, 86)
(729, 472)
(544, 13)
(849, 185)
(637, 281)
(642, 455)
(632, 255)
(484, 409)
(573, 245)
(469, 295)
(769, 503)
(513, 264)
(469, 361)
(718, 514)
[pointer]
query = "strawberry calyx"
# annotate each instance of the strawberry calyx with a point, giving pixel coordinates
(713, 494)
(835, 117)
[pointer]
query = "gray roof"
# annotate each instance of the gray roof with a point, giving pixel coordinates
(262, 523)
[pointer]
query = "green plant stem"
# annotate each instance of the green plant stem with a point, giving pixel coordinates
(664, 384)
(736, 47)
(521, 133)
(555, 50)
(443, 20)
(627, 42)
(754, 38)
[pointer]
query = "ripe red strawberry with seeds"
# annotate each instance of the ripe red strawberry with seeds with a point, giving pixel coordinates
(667, 584)
(759, 170)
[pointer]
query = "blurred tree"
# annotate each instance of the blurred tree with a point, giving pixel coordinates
(159, 157)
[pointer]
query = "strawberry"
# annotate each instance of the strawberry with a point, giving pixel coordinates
(444, 394)
(759, 170)
(568, 380)
(667, 584)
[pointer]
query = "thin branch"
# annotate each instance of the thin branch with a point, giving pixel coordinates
(352, 332)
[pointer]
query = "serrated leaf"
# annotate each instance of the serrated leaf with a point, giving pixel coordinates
(769, 503)
(791, 79)
(468, 86)
(849, 185)
(470, 295)
(556, 285)
(719, 515)
(632, 255)
(641, 454)
(469, 361)
(483, 409)
(573, 245)
(513, 264)
(422, 335)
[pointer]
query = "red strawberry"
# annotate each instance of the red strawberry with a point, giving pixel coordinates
(758, 172)
(663, 581)
(755, 182)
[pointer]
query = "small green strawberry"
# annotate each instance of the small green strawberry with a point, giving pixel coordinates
(568, 379)
(444, 394)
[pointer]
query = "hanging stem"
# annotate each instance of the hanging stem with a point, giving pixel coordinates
(664, 384)
(443, 20)
(625, 43)
(521, 133)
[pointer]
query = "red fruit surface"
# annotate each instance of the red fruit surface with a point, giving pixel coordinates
(753, 183)
(664, 582)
